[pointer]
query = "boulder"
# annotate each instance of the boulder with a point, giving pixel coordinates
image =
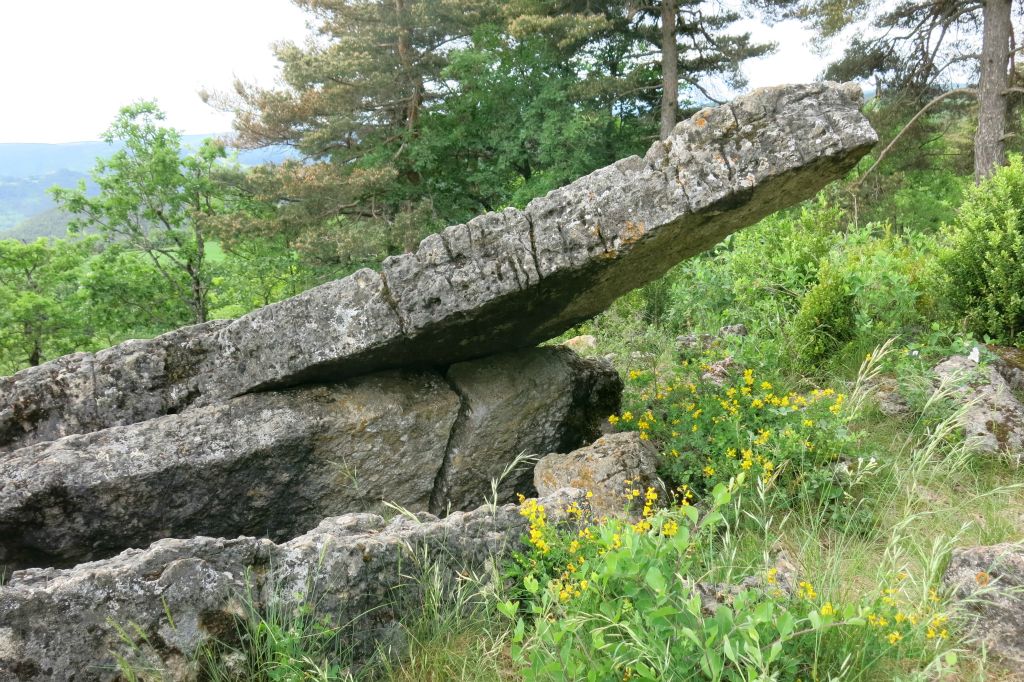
(989, 581)
(273, 464)
(168, 601)
(609, 468)
(501, 282)
(523, 403)
(270, 464)
(994, 420)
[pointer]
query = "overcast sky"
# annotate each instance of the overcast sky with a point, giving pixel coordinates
(67, 66)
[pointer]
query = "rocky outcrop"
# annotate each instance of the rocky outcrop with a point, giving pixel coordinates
(994, 418)
(273, 464)
(608, 468)
(179, 595)
(502, 281)
(989, 581)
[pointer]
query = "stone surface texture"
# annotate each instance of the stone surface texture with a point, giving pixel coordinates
(994, 420)
(273, 464)
(524, 403)
(501, 282)
(86, 392)
(603, 468)
(61, 625)
(990, 582)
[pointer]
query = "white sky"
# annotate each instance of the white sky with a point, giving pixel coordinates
(67, 66)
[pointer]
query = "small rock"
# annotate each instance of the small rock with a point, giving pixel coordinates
(733, 330)
(719, 372)
(890, 401)
(989, 581)
(691, 345)
(995, 420)
(603, 468)
(584, 342)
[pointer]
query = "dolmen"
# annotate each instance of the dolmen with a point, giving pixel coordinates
(147, 489)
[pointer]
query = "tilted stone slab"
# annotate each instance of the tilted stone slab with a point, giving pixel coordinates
(514, 278)
(270, 464)
(66, 625)
(273, 464)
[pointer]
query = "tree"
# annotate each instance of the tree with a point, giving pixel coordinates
(921, 52)
(40, 302)
(413, 107)
(156, 199)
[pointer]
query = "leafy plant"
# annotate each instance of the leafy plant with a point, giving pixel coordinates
(984, 261)
(827, 319)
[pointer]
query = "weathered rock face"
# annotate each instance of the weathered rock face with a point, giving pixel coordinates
(995, 419)
(85, 392)
(1010, 364)
(602, 468)
(991, 581)
(530, 402)
(500, 282)
(273, 464)
(61, 625)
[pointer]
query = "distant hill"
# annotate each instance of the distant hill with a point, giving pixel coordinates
(50, 223)
(23, 197)
(27, 170)
(29, 159)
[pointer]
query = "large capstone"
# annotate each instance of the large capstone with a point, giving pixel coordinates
(274, 464)
(502, 281)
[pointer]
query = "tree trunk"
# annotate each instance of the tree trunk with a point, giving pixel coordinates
(989, 149)
(195, 274)
(669, 68)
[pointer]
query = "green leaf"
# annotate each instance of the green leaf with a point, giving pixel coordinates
(655, 579)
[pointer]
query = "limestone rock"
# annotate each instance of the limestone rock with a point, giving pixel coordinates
(275, 463)
(1010, 365)
(270, 464)
(891, 401)
(990, 580)
(61, 625)
(524, 403)
(502, 281)
(603, 468)
(995, 420)
(86, 392)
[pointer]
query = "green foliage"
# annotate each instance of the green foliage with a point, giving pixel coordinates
(621, 601)
(827, 318)
(155, 199)
(711, 434)
(984, 261)
(41, 311)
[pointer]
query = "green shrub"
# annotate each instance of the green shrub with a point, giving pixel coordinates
(984, 262)
(827, 318)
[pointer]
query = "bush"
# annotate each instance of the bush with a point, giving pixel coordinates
(827, 318)
(984, 262)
